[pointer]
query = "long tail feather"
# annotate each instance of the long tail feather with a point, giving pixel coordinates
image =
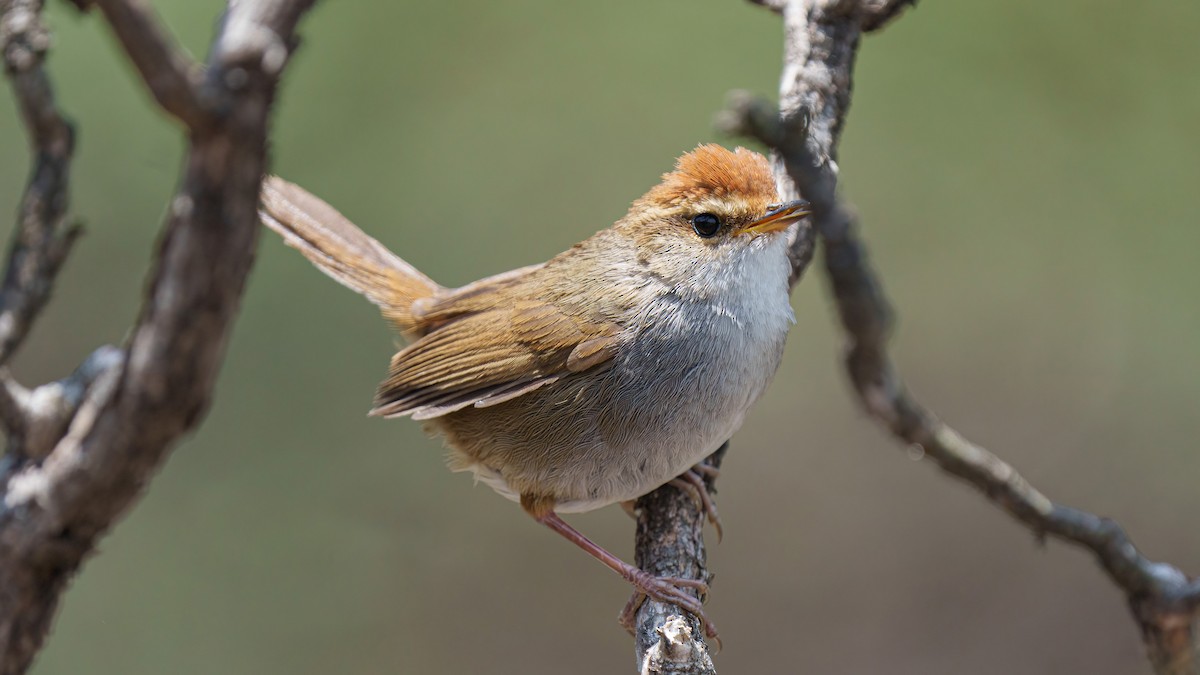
(340, 249)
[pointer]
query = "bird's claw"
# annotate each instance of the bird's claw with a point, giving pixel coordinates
(672, 591)
(692, 483)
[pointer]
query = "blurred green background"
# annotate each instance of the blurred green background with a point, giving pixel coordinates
(1026, 172)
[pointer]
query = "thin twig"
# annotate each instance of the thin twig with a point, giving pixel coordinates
(172, 77)
(40, 241)
(773, 5)
(822, 37)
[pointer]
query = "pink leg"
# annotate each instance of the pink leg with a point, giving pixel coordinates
(664, 589)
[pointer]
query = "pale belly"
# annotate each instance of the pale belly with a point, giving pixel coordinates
(594, 439)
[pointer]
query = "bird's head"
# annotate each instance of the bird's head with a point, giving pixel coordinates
(711, 215)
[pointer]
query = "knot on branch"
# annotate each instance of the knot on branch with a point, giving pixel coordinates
(676, 652)
(752, 116)
(36, 420)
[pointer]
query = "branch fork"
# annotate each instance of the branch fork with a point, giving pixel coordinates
(81, 449)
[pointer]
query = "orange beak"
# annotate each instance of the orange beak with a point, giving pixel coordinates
(779, 217)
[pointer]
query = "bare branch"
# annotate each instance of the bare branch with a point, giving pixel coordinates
(869, 14)
(670, 543)
(173, 78)
(35, 421)
(877, 13)
(773, 5)
(822, 38)
(40, 240)
(125, 409)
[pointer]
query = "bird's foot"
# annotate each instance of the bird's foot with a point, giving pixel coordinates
(669, 590)
(692, 482)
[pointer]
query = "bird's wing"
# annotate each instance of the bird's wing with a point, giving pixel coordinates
(484, 348)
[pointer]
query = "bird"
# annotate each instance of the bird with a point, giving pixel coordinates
(601, 374)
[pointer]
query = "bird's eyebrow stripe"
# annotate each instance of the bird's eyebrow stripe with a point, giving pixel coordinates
(724, 207)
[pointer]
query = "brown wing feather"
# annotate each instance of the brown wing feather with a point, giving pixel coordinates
(483, 353)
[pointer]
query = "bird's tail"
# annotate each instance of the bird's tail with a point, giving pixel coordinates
(338, 248)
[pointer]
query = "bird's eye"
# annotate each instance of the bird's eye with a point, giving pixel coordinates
(706, 224)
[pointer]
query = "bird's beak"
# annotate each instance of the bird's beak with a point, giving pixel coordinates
(779, 217)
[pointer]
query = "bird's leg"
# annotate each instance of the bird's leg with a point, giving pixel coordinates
(692, 482)
(670, 590)
(707, 470)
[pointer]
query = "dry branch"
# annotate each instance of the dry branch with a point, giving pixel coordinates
(81, 450)
(822, 37)
(670, 543)
(173, 78)
(40, 241)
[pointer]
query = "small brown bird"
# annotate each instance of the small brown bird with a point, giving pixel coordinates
(603, 373)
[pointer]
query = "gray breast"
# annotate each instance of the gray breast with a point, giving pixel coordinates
(685, 390)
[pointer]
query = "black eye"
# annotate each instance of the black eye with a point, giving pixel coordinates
(706, 224)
